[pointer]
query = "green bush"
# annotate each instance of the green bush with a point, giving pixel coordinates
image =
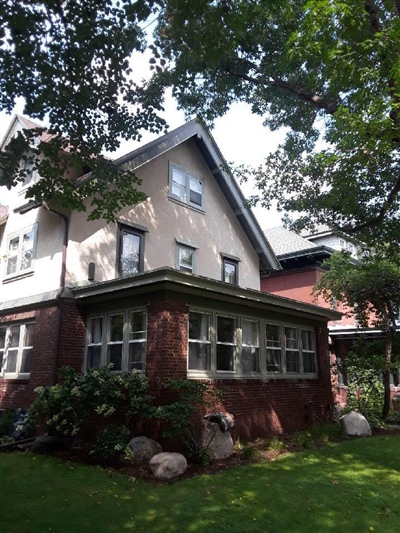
(7, 420)
(111, 443)
(183, 415)
(98, 394)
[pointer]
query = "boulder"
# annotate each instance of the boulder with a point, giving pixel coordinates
(218, 445)
(143, 449)
(168, 465)
(354, 424)
(49, 444)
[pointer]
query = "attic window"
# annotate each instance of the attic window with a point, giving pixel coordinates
(185, 187)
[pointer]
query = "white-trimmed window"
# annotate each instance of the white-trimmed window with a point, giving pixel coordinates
(222, 346)
(185, 187)
(117, 340)
(131, 251)
(230, 270)
(185, 258)
(21, 248)
(199, 341)
(16, 345)
(250, 346)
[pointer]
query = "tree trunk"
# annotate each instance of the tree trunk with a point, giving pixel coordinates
(386, 371)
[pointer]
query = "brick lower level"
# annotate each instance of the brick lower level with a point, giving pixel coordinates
(261, 407)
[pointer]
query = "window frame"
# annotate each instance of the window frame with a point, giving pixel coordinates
(105, 342)
(184, 246)
(137, 232)
(20, 234)
(185, 198)
(20, 350)
(230, 260)
(262, 373)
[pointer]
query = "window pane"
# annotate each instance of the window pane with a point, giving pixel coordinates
(137, 326)
(137, 355)
(307, 339)
(29, 329)
(292, 361)
(96, 330)
(186, 259)
(26, 360)
(195, 191)
(199, 326)
(114, 356)
(309, 362)
(94, 356)
(230, 270)
(273, 335)
(116, 328)
(178, 184)
(199, 356)
(226, 329)
(13, 245)
(274, 357)
(225, 357)
(27, 249)
(250, 333)
(11, 364)
(12, 265)
(291, 338)
(13, 339)
(250, 359)
(130, 254)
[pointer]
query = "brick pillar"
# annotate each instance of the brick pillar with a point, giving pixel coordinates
(167, 342)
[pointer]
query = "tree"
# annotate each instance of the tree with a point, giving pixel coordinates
(371, 288)
(327, 71)
(71, 60)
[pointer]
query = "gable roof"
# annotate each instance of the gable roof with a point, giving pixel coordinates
(215, 161)
(27, 124)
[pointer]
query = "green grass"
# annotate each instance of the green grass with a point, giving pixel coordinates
(352, 486)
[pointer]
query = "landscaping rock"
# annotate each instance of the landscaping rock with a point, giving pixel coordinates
(143, 449)
(354, 424)
(217, 444)
(168, 465)
(49, 444)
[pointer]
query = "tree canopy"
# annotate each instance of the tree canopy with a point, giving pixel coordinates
(329, 72)
(72, 63)
(370, 289)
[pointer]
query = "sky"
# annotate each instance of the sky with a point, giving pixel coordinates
(240, 135)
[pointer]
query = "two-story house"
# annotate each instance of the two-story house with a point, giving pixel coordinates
(301, 258)
(171, 288)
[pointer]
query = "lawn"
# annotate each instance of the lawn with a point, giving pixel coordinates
(347, 486)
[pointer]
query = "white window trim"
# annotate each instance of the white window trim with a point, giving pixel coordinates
(180, 245)
(263, 373)
(20, 273)
(21, 347)
(106, 335)
(186, 198)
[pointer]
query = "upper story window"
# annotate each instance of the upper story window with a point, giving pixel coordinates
(117, 340)
(21, 247)
(29, 165)
(131, 251)
(185, 187)
(230, 269)
(16, 346)
(185, 257)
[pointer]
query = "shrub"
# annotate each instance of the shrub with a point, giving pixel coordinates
(96, 394)
(111, 443)
(7, 419)
(182, 415)
(276, 445)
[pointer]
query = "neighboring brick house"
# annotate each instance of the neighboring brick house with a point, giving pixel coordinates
(172, 289)
(301, 258)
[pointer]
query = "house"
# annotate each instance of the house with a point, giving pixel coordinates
(171, 288)
(301, 258)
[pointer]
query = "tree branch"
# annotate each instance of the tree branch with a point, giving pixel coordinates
(381, 215)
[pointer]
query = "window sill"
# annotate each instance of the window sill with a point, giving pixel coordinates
(16, 277)
(184, 204)
(16, 379)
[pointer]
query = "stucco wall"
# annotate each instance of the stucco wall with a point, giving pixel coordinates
(212, 232)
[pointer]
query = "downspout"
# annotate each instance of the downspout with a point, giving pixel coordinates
(61, 287)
